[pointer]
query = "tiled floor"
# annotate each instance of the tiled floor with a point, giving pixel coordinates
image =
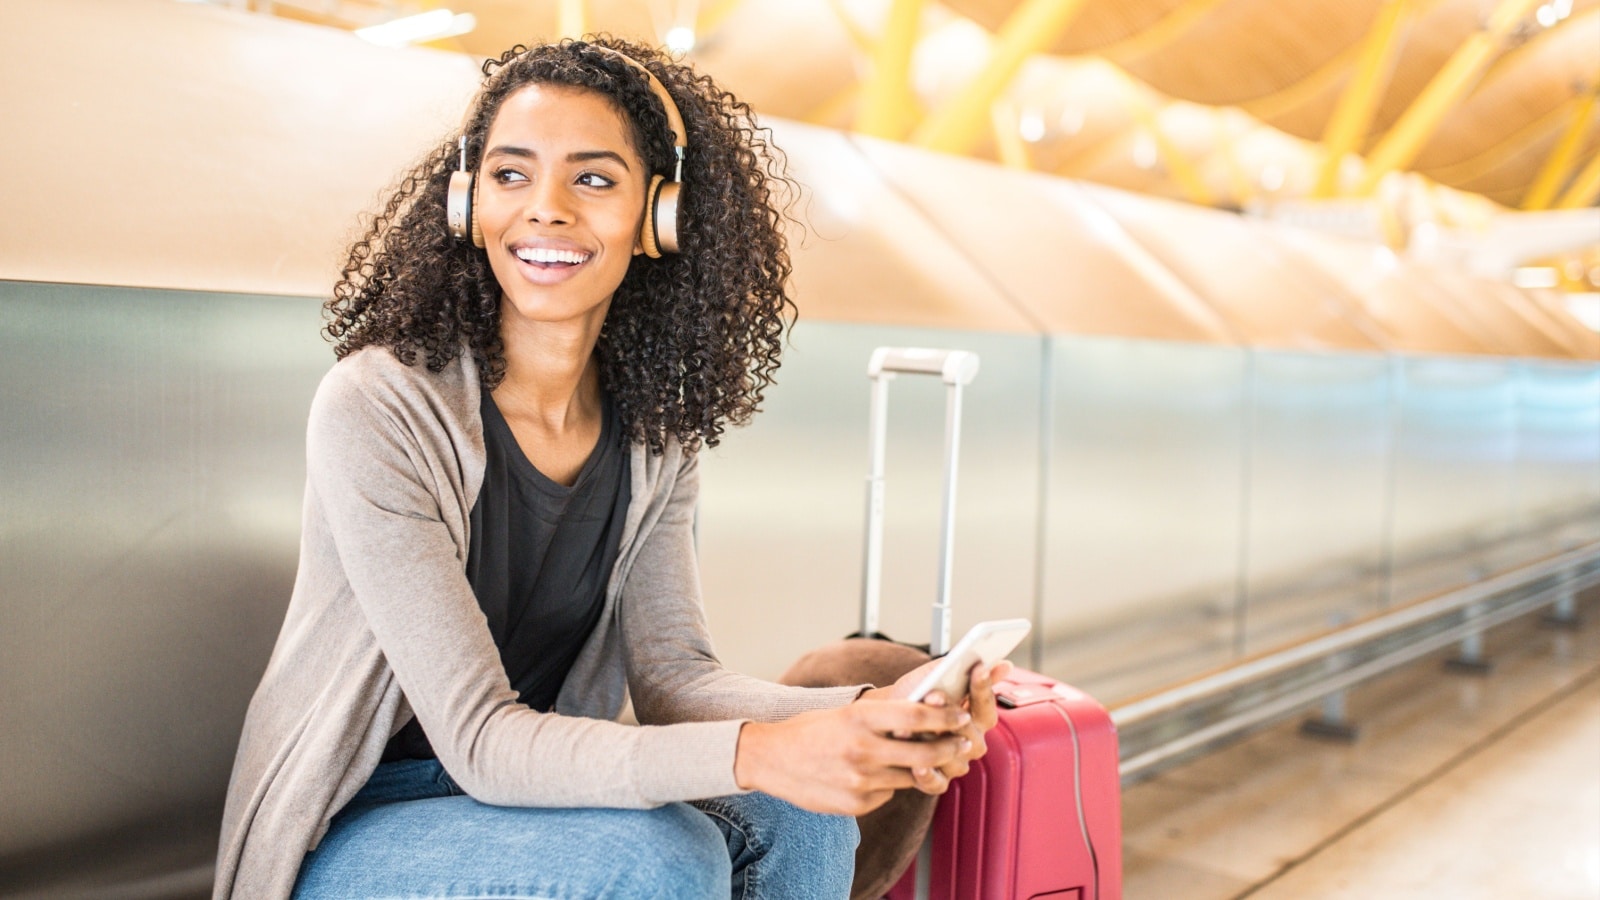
(1458, 787)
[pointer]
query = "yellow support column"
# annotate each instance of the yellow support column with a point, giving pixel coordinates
(1238, 182)
(864, 43)
(1178, 166)
(571, 21)
(1008, 142)
(1404, 141)
(886, 96)
(1353, 116)
(1033, 26)
(1555, 169)
(1584, 189)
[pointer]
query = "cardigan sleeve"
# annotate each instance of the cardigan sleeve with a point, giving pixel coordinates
(673, 672)
(387, 476)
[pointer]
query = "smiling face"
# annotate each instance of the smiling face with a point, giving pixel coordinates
(560, 199)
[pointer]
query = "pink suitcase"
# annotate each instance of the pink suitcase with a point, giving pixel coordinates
(1040, 815)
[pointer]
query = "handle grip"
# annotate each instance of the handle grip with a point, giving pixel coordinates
(953, 366)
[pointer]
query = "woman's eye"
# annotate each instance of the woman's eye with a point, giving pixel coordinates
(595, 179)
(506, 176)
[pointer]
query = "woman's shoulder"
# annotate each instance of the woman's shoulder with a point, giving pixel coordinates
(372, 385)
(673, 469)
(375, 373)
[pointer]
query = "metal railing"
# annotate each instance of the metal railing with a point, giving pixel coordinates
(1166, 727)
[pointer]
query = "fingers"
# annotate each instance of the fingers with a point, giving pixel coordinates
(971, 742)
(980, 696)
(931, 781)
(933, 698)
(851, 759)
(883, 758)
(897, 716)
(937, 781)
(972, 746)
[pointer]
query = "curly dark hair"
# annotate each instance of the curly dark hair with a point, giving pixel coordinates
(691, 340)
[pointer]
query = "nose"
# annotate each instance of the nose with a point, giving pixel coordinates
(549, 202)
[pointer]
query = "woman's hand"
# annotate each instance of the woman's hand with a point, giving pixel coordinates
(846, 761)
(980, 704)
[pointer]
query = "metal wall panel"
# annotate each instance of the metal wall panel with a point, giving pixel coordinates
(1144, 511)
(1456, 446)
(1558, 448)
(783, 501)
(154, 472)
(1317, 491)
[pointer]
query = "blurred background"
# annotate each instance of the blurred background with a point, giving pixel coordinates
(1287, 316)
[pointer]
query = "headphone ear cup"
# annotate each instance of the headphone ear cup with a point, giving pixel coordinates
(460, 217)
(477, 232)
(647, 231)
(666, 216)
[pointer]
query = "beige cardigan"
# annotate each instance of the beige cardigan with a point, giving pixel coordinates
(383, 623)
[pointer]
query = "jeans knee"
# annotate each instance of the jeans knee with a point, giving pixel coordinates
(830, 838)
(819, 836)
(688, 855)
(774, 841)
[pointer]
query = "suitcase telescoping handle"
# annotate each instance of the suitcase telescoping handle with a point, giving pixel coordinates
(957, 369)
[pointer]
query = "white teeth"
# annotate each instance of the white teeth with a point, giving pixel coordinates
(543, 255)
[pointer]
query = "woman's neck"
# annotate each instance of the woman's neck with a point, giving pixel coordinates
(552, 377)
(551, 395)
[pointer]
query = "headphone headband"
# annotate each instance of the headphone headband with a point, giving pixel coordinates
(680, 139)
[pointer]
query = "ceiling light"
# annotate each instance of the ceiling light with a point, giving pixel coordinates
(1549, 14)
(1031, 125)
(1535, 277)
(680, 39)
(429, 26)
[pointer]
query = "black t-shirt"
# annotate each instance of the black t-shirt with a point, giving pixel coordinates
(538, 560)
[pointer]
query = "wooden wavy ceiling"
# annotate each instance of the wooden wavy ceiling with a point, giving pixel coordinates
(1215, 101)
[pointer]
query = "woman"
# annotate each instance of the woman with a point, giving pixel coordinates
(497, 548)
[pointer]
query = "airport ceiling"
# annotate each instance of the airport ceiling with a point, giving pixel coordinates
(1220, 102)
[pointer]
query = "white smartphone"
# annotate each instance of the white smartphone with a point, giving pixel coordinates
(987, 642)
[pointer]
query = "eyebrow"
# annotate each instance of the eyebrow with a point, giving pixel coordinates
(576, 156)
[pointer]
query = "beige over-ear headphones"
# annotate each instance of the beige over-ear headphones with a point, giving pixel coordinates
(658, 234)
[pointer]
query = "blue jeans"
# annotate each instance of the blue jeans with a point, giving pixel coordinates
(412, 832)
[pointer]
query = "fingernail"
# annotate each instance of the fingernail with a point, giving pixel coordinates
(965, 745)
(963, 719)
